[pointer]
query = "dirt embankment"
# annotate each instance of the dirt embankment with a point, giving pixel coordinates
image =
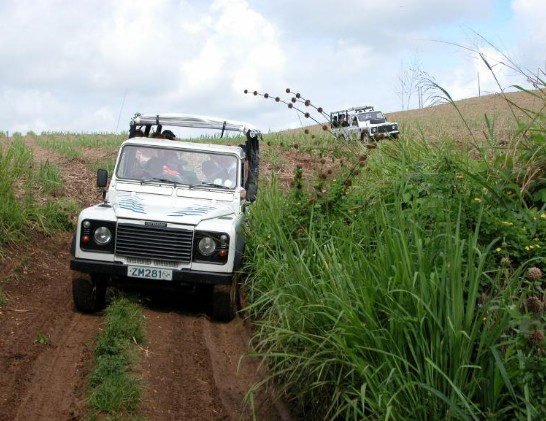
(190, 366)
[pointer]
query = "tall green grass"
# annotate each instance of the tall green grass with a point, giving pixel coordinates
(15, 163)
(20, 211)
(395, 289)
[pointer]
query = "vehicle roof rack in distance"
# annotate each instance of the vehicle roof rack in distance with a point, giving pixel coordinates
(360, 109)
(363, 108)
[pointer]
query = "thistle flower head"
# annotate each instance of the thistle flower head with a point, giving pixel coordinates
(307, 115)
(536, 337)
(287, 90)
(293, 99)
(255, 93)
(290, 105)
(534, 273)
(307, 102)
(246, 91)
(298, 95)
(266, 95)
(534, 305)
(505, 261)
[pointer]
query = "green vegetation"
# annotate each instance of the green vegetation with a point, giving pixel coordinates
(406, 283)
(20, 210)
(20, 213)
(49, 178)
(114, 387)
(97, 150)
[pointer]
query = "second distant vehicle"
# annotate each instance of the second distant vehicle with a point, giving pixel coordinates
(362, 123)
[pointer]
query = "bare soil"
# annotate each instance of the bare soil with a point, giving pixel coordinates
(192, 368)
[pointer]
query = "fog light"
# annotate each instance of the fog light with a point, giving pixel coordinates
(85, 239)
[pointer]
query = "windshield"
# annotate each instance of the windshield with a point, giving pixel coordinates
(155, 164)
(374, 117)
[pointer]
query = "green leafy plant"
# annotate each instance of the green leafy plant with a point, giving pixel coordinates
(42, 339)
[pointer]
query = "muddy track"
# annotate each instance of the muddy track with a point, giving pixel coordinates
(191, 367)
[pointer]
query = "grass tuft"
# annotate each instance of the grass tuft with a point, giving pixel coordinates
(114, 389)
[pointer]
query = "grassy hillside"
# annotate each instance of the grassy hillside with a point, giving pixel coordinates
(404, 279)
(504, 112)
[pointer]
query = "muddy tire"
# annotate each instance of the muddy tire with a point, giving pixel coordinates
(225, 301)
(88, 292)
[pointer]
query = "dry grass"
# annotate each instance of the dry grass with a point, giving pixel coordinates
(440, 121)
(443, 120)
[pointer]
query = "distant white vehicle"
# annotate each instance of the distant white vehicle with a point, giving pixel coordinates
(362, 123)
(172, 214)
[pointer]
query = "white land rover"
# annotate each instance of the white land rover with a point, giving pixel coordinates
(363, 123)
(171, 216)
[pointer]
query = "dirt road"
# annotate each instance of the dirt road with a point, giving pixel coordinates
(190, 365)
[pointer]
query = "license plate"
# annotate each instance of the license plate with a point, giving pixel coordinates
(150, 273)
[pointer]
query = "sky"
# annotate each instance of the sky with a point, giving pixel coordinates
(88, 66)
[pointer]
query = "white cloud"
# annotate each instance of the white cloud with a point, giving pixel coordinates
(85, 63)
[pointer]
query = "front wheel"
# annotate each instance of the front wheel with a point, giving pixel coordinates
(88, 292)
(225, 300)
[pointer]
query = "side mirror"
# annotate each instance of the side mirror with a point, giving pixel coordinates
(102, 178)
(102, 181)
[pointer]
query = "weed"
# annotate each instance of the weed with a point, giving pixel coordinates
(42, 339)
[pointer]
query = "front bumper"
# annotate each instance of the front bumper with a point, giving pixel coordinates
(118, 273)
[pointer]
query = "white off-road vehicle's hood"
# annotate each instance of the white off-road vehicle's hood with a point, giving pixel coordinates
(169, 209)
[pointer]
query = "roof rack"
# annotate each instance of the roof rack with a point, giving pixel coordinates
(193, 121)
(360, 109)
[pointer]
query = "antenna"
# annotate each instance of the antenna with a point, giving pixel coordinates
(120, 110)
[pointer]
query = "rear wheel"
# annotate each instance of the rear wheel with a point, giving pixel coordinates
(225, 300)
(88, 292)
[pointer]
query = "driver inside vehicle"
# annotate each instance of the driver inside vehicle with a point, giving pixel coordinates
(168, 165)
(221, 170)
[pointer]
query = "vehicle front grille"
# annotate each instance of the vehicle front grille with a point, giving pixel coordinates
(154, 243)
(384, 129)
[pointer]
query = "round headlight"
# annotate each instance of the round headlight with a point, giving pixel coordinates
(207, 246)
(102, 236)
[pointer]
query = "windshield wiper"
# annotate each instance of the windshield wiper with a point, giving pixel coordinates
(159, 180)
(205, 184)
